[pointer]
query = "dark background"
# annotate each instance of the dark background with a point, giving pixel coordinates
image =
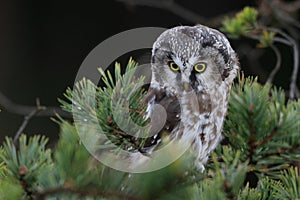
(42, 45)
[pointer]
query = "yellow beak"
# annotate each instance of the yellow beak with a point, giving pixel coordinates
(186, 86)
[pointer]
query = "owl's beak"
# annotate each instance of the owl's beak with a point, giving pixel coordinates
(186, 86)
(185, 80)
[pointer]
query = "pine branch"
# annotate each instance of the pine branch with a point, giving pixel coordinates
(277, 65)
(228, 190)
(282, 10)
(291, 182)
(122, 96)
(24, 110)
(245, 24)
(252, 133)
(177, 9)
(26, 120)
(290, 6)
(83, 193)
(282, 151)
(294, 45)
(267, 138)
(267, 126)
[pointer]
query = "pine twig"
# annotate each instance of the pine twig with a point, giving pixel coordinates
(228, 190)
(267, 138)
(285, 150)
(24, 110)
(177, 9)
(169, 5)
(294, 45)
(26, 120)
(277, 66)
(252, 133)
(290, 6)
(282, 9)
(287, 40)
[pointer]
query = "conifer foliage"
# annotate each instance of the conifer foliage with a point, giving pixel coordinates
(259, 157)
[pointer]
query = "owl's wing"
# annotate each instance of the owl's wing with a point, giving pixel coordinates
(172, 107)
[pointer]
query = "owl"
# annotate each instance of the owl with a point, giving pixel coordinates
(193, 68)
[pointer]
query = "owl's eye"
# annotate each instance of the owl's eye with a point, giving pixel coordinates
(173, 66)
(200, 67)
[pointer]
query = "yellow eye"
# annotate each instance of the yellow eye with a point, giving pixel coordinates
(200, 67)
(173, 66)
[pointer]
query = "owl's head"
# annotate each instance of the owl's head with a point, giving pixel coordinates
(192, 58)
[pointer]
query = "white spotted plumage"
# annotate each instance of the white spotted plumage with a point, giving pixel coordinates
(196, 111)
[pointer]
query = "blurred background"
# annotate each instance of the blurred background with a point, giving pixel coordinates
(43, 43)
